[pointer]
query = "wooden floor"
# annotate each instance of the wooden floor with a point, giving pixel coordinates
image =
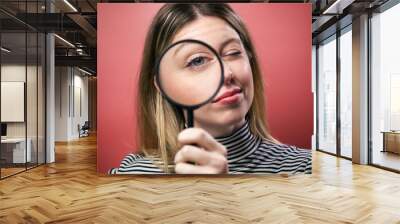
(5, 172)
(70, 191)
(387, 159)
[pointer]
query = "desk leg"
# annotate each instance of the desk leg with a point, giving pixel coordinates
(384, 143)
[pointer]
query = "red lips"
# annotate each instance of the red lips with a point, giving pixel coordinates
(227, 94)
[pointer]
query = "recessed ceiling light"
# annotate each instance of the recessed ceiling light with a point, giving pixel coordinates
(5, 50)
(84, 71)
(64, 40)
(70, 5)
(338, 6)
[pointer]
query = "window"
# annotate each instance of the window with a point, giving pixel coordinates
(327, 95)
(346, 93)
(385, 88)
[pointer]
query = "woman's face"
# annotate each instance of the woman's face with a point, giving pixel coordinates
(227, 110)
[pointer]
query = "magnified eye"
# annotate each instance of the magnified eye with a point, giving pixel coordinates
(196, 61)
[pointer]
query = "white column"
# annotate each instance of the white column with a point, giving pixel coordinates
(50, 100)
(360, 90)
(50, 92)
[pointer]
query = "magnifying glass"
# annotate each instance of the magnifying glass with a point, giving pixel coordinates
(189, 74)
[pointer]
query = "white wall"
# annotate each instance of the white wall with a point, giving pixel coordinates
(61, 103)
(18, 73)
(70, 83)
(80, 83)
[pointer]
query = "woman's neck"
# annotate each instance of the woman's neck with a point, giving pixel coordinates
(217, 130)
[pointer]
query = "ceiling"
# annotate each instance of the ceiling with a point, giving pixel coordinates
(76, 22)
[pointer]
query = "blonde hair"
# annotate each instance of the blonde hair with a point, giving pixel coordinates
(159, 121)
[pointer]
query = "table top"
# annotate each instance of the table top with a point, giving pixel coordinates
(14, 140)
(391, 132)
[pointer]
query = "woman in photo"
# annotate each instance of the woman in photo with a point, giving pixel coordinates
(230, 133)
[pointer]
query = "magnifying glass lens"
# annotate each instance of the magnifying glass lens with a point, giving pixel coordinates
(189, 73)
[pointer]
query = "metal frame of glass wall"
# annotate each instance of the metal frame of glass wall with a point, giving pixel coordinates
(34, 90)
(334, 37)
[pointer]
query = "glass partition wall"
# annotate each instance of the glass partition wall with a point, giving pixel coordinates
(334, 94)
(22, 88)
(345, 62)
(385, 89)
(327, 95)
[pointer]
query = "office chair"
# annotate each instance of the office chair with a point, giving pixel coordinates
(84, 130)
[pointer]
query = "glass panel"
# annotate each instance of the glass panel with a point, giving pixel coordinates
(41, 98)
(32, 91)
(13, 89)
(22, 88)
(386, 89)
(31, 100)
(346, 94)
(327, 96)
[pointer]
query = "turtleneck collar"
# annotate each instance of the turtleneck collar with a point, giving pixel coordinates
(240, 143)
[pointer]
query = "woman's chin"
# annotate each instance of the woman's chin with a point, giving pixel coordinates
(227, 119)
(222, 117)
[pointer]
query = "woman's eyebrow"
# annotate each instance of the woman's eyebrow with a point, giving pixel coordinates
(228, 41)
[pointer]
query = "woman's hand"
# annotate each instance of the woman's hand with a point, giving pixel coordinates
(200, 153)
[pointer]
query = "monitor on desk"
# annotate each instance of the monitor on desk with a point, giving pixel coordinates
(3, 130)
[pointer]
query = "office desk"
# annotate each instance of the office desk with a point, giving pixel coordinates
(13, 150)
(391, 141)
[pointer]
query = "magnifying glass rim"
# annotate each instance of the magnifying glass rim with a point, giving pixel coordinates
(158, 74)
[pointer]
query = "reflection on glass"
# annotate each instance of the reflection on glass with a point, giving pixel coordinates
(327, 96)
(346, 94)
(395, 102)
(14, 153)
(22, 91)
(386, 89)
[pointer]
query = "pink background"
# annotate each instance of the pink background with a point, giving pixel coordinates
(281, 34)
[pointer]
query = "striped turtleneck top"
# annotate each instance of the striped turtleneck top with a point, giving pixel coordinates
(247, 153)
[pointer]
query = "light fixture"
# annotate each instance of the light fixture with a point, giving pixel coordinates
(84, 71)
(70, 5)
(64, 40)
(79, 51)
(5, 50)
(337, 7)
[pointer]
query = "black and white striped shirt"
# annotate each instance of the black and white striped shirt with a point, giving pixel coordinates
(247, 153)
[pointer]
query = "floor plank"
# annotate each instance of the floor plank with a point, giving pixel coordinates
(387, 159)
(70, 191)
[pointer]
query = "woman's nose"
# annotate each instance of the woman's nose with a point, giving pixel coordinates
(228, 74)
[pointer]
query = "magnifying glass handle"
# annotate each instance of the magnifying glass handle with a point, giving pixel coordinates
(190, 125)
(190, 118)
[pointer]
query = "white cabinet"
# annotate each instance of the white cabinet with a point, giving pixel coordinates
(17, 146)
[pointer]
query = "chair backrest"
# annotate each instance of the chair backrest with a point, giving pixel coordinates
(86, 124)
